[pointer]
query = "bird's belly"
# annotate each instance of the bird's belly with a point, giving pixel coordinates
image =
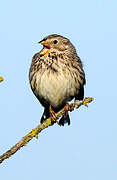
(56, 89)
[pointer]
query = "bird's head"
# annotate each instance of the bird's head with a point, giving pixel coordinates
(54, 42)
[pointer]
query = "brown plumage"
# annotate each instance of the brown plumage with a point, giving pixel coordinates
(56, 75)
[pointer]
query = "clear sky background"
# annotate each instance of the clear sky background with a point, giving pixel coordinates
(86, 150)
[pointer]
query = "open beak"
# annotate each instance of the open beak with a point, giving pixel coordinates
(46, 47)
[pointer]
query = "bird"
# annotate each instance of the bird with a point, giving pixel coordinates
(57, 76)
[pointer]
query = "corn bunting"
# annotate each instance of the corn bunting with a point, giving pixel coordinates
(56, 76)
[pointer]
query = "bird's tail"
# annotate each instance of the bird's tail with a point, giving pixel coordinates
(46, 115)
(64, 119)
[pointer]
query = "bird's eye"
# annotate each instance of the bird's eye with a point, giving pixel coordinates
(55, 41)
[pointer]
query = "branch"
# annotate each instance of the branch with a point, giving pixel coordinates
(1, 79)
(39, 128)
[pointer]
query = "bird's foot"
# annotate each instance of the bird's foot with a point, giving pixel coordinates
(53, 116)
(67, 108)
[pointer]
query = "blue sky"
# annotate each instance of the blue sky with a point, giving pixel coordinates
(87, 149)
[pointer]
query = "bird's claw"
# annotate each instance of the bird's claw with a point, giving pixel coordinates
(67, 108)
(53, 116)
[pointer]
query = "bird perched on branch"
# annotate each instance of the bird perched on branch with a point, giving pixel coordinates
(56, 76)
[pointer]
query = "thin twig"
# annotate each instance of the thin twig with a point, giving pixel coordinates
(1, 79)
(39, 128)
